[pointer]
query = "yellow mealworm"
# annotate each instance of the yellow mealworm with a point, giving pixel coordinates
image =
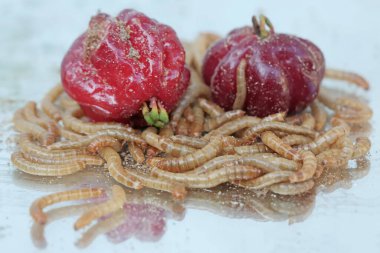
(233, 126)
(308, 121)
(136, 152)
(295, 139)
(40, 169)
(362, 147)
(30, 113)
(210, 107)
(151, 151)
(279, 126)
(122, 135)
(213, 164)
(276, 144)
(196, 127)
(189, 141)
(188, 114)
(24, 126)
(280, 116)
(210, 178)
(28, 146)
(68, 135)
(319, 170)
(320, 115)
(330, 158)
(199, 48)
(347, 149)
(309, 166)
(266, 180)
(166, 131)
(166, 145)
(251, 149)
(292, 188)
(182, 127)
(347, 76)
(353, 110)
(36, 209)
(196, 89)
(47, 103)
(103, 141)
(213, 123)
(115, 203)
(71, 121)
(87, 159)
(116, 170)
(241, 85)
(192, 160)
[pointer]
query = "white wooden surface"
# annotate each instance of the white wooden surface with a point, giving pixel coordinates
(34, 36)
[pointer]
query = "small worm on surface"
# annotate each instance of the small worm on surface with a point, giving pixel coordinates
(183, 127)
(189, 114)
(276, 144)
(241, 85)
(103, 141)
(166, 131)
(292, 188)
(308, 121)
(251, 149)
(209, 107)
(48, 105)
(51, 170)
(278, 126)
(136, 152)
(347, 76)
(36, 209)
(196, 127)
(320, 115)
(210, 178)
(116, 170)
(189, 141)
(309, 166)
(233, 126)
(213, 164)
(213, 123)
(115, 203)
(87, 159)
(266, 180)
(295, 139)
(361, 148)
(280, 116)
(68, 135)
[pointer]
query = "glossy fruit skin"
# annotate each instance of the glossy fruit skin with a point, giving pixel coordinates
(283, 72)
(120, 63)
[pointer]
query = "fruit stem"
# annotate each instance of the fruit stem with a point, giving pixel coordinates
(259, 28)
(155, 114)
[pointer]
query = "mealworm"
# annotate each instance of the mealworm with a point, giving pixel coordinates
(276, 144)
(47, 103)
(136, 152)
(51, 170)
(233, 126)
(347, 149)
(241, 85)
(280, 116)
(28, 146)
(103, 141)
(295, 139)
(87, 159)
(188, 114)
(115, 203)
(353, 110)
(330, 158)
(308, 121)
(192, 160)
(251, 149)
(166, 145)
(266, 180)
(210, 107)
(213, 164)
(182, 127)
(318, 171)
(177, 190)
(199, 48)
(196, 127)
(151, 151)
(189, 141)
(210, 178)
(279, 126)
(116, 170)
(292, 188)
(123, 135)
(320, 115)
(347, 76)
(30, 114)
(36, 209)
(213, 123)
(362, 147)
(35, 130)
(196, 89)
(166, 131)
(71, 121)
(325, 140)
(309, 166)
(67, 134)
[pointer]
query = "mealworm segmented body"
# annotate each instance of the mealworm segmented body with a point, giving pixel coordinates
(212, 123)
(166, 131)
(47, 103)
(330, 158)
(276, 144)
(266, 164)
(309, 166)
(68, 135)
(196, 127)
(280, 116)
(266, 180)
(189, 114)
(320, 115)
(183, 127)
(241, 85)
(362, 147)
(210, 178)
(347, 149)
(189, 141)
(213, 164)
(101, 142)
(136, 152)
(116, 169)
(292, 188)
(192, 160)
(212, 109)
(50, 170)
(347, 76)
(251, 149)
(87, 159)
(308, 121)
(115, 203)
(233, 126)
(295, 139)
(36, 209)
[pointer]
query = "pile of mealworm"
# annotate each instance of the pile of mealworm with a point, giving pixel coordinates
(203, 146)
